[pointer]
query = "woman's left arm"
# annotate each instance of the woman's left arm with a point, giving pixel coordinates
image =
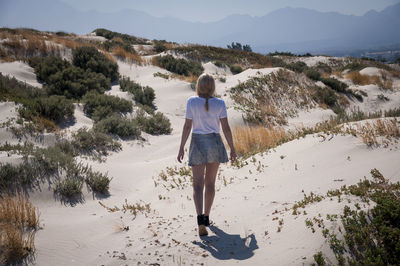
(187, 127)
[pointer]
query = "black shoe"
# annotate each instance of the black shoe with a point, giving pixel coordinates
(206, 220)
(200, 219)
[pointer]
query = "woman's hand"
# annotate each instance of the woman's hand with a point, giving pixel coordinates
(233, 156)
(180, 155)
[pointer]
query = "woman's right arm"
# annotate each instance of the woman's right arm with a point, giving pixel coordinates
(187, 127)
(228, 136)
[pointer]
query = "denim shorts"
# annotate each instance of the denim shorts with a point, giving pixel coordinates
(207, 148)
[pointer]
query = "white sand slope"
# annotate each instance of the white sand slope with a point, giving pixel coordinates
(246, 232)
(21, 71)
(249, 201)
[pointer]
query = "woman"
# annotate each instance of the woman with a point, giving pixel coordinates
(205, 113)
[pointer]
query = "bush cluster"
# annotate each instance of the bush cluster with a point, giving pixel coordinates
(142, 95)
(94, 143)
(335, 84)
(47, 66)
(125, 37)
(99, 106)
(89, 58)
(179, 66)
(228, 56)
(298, 66)
(56, 108)
(117, 125)
(156, 124)
(13, 90)
(62, 78)
(159, 46)
(73, 82)
(239, 46)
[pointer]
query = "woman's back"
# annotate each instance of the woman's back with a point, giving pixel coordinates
(203, 121)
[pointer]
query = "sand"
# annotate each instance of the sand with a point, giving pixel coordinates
(21, 71)
(247, 199)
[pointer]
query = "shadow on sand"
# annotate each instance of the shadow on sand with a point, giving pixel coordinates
(224, 246)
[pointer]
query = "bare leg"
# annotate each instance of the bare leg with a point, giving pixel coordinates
(211, 173)
(198, 187)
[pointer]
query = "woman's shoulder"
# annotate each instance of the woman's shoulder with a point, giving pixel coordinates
(218, 100)
(192, 98)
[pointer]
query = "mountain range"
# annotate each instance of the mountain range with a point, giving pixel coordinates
(286, 29)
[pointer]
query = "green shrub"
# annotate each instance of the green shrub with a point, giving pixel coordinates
(128, 39)
(156, 124)
(98, 182)
(74, 82)
(236, 69)
(13, 90)
(392, 112)
(69, 187)
(16, 176)
(99, 106)
(94, 143)
(52, 159)
(46, 66)
(323, 67)
(218, 63)
(159, 46)
(179, 66)
(313, 74)
(298, 66)
(142, 95)
(56, 108)
(373, 237)
(335, 84)
(281, 54)
(325, 96)
(319, 259)
(116, 125)
(89, 58)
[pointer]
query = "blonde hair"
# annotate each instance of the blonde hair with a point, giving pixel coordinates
(205, 87)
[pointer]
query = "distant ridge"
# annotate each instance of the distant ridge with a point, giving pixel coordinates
(292, 29)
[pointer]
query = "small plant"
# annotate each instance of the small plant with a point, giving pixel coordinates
(69, 187)
(161, 75)
(98, 182)
(236, 69)
(319, 259)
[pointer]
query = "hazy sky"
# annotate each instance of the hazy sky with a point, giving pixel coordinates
(211, 10)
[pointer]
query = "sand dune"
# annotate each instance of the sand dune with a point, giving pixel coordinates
(247, 200)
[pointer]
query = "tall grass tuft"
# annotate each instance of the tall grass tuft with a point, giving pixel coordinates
(250, 140)
(18, 220)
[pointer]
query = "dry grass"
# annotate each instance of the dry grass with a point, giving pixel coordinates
(370, 132)
(18, 219)
(360, 79)
(250, 140)
(191, 78)
(338, 74)
(120, 52)
(383, 81)
(139, 207)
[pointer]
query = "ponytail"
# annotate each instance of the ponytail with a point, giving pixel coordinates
(207, 103)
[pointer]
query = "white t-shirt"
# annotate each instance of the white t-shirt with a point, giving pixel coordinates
(204, 122)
